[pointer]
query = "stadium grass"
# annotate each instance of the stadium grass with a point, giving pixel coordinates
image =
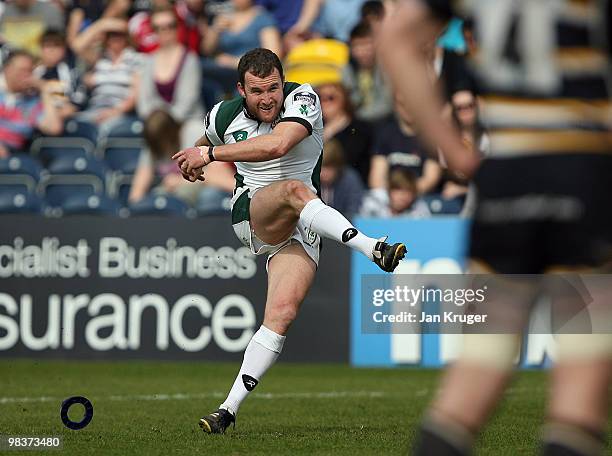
(298, 408)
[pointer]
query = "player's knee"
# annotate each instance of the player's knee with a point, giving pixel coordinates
(297, 192)
(285, 312)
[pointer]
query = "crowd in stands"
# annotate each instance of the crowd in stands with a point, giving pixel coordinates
(120, 85)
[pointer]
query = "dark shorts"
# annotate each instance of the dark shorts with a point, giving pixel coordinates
(538, 212)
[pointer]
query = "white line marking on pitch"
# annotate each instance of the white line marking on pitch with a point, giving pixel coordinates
(214, 395)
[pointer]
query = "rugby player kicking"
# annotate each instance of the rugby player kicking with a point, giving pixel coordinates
(273, 132)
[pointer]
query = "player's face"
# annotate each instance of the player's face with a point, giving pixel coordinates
(264, 96)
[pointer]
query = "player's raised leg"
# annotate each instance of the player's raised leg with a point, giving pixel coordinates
(290, 274)
(277, 208)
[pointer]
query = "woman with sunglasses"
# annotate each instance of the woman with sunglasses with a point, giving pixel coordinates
(169, 81)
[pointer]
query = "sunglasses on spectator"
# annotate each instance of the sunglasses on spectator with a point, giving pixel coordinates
(328, 97)
(464, 107)
(163, 27)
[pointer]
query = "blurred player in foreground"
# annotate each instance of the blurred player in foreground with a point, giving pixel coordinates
(549, 170)
(274, 133)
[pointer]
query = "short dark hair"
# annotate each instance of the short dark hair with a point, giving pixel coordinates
(261, 63)
(372, 8)
(53, 36)
(361, 30)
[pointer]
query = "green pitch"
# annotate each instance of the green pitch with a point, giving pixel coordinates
(146, 408)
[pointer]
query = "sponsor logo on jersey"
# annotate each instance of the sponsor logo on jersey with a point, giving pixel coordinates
(311, 237)
(249, 382)
(306, 99)
(349, 234)
(240, 135)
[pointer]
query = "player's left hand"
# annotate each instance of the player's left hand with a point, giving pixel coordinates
(191, 162)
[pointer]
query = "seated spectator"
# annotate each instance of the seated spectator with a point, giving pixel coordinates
(294, 19)
(24, 21)
(465, 117)
(401, 198)
(112, 81)
(170, 77)
(232, 35)
(337, 18)
(354, 135)
(191, 22)
(87, 27)
(161, 133)
(57, 65)
(22, 110)
(397, 147)
(341, 185)
(363, 77)
(373, 13)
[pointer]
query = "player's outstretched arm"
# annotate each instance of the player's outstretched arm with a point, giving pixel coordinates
(406, 31)
(260, 148)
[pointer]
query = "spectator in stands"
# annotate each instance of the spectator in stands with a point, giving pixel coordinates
(341, 185)
(24, 21)
(294, 19)
(373, 12)
(401, 198)
(56, 65)
(338, 17)
(232, 35)
(161, 133)
(113, 79)
(170, 77)
(354, 135)
(363, 78)
(465, 116)
(397, 146)
(191, 23)
(87, 29)
(22, 110)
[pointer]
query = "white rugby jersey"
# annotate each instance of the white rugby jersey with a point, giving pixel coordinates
(229, 122)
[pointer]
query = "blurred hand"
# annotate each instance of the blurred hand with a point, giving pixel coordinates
(112, 24)
(227, 60)
(222, 22)
(4, 152)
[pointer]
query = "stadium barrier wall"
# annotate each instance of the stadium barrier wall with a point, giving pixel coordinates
(152, 288)
(435, 246)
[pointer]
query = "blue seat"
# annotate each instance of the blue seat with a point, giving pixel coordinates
(159, 205)
(20, 172)
(82, 176)
(21, 164)
(49, 149)
(80, 129)
(15, 202)
(131, 128)
(442, 206)
(84, 204)
(122, 158)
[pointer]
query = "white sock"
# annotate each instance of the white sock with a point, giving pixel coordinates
(329, 223)
(260, 354)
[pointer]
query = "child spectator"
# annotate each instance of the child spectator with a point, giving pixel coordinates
(401, 198)
(57, 65)
(341, 186)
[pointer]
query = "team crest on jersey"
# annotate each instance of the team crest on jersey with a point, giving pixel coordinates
(240, 135)
(307, 100)
(311, 237)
